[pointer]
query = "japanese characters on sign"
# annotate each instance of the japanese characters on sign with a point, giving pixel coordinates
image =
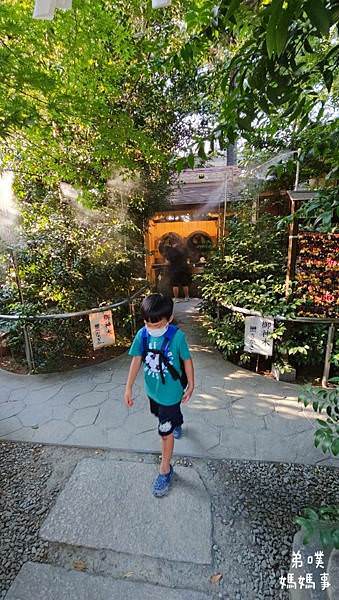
(306, 581)
(102, 329)
(257, 335)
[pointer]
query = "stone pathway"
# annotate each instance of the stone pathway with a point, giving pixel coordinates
(99, 508)
(225, 530)
(233, 414)
(37, 581)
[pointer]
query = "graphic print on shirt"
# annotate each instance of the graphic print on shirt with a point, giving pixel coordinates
(152, 366)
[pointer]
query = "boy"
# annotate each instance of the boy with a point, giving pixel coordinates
(168, 376)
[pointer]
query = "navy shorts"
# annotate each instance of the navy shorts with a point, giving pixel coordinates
(169, 417)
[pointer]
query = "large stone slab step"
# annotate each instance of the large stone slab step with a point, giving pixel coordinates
(108, 505)
(38, 581)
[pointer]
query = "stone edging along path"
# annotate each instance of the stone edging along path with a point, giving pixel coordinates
(233, 413)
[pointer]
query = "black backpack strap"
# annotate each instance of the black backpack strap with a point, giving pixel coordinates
(174, 373)
(144, 343)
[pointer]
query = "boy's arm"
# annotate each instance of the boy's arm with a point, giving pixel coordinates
(133, 372)
(189, 370)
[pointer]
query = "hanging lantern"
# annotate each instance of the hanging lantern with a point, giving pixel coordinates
(160, 3)
(44, 9)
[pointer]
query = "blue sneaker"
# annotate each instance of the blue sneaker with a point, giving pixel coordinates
(177, 432)
(162, 484)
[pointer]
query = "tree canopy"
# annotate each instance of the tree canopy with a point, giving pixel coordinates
(101, 85)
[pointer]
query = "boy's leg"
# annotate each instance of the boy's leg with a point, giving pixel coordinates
(186, 291)
(167, 445)
(175, 291)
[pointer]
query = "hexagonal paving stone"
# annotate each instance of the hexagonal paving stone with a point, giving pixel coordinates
(198, 438)
(109, 387)
(287, 424)
(5, 394)
(288, 406)
(62, 412)
(53, 432)
(10, 409)
(89, 399)
(72, 389)
(102, 377)
(246, 421)
(35, 415)
(234, 443)
(273, 447)
(9, 426)
(112, 415)
(140, 422)
(42, 395)
(18, 394)
(206, 401)
(84, 416)
(89, 437)
(254, 405)
(217, 418)
(24, 434)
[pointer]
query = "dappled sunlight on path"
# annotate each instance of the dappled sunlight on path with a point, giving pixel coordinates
(233, 413)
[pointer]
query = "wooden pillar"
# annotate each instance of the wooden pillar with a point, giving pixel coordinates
(292, 247)
(148, 259)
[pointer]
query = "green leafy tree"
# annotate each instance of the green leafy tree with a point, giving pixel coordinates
(248, 270)
(323, 520)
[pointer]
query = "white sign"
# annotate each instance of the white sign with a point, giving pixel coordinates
(102, 329)
(160, 3)
(257, 332)
(44, 9)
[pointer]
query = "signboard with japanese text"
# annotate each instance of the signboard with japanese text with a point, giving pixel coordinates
(257, 335)
(102, 329)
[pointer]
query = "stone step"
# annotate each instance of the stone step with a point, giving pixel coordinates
(38, 581)
(108, 505)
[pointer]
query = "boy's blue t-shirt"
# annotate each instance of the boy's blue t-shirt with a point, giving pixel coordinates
(171, 391)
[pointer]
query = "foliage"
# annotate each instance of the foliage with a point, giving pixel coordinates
(318, 157)
(323, 520)
(269, 62)
(324, 400)
(85, 93)
(322, 212)
(248, 270)
(67, 262)
(100, 85)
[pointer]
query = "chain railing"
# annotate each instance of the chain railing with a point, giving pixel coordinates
(279, 318)
(28, 321)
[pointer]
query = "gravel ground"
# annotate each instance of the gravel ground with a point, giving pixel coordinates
(23, 504)
(253, 506)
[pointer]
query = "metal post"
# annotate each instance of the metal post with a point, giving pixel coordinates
(133, 319)
(28, 349)
(225, 206)
(329, 348)
(297, 171)
(27, 341)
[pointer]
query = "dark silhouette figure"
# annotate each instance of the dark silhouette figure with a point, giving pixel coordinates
(178, 269)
